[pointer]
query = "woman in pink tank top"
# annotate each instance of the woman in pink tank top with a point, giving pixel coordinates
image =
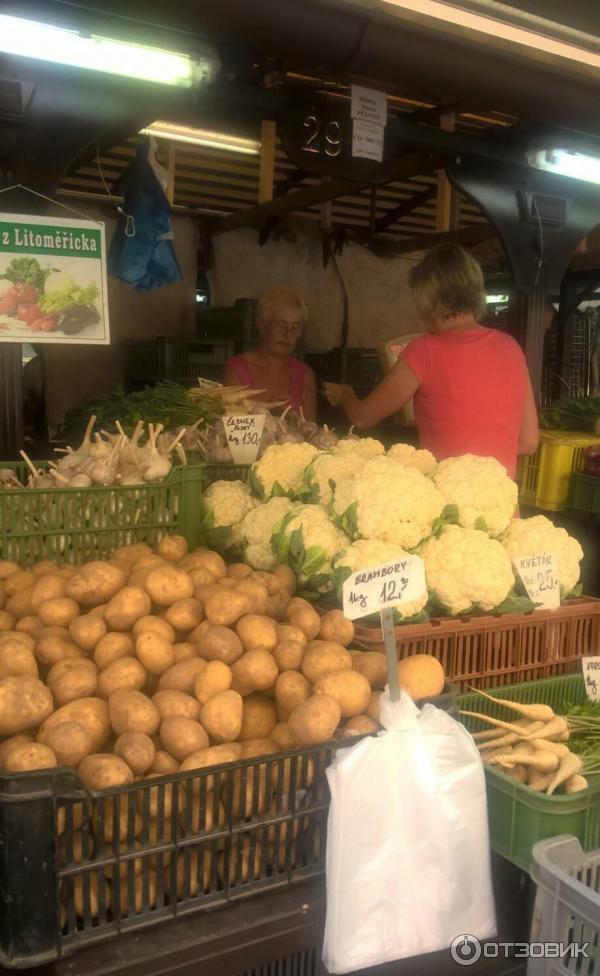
(471, 387)
(272, 366)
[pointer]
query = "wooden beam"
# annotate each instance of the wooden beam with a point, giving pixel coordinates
(463, 235)
(266, 177)
(404, 208)
(171, 159)
(446, 196)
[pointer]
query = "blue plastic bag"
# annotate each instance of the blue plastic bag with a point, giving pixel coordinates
(142, 252)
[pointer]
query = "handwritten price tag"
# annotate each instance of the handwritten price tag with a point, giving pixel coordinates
(208, 384)
(591, 676)
(244, 435)
(539, 574)
(372, 590)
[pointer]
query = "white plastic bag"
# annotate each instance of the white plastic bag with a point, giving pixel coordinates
(408, 859)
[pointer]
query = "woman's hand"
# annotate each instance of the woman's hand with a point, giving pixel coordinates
(335, 393)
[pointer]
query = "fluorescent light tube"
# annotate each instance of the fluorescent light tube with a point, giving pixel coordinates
(202, 137)
(45, 42)
(496, 299)
(565, 162)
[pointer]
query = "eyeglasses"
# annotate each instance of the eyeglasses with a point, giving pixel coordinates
(294, 328)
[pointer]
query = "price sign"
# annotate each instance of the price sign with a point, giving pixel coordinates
(244, 435)
(372, 590)
(591, 676)
(539, 575)
(208, 384)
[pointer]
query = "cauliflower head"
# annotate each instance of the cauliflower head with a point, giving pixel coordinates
(479, 487)
(386, 501)
(224, 505)
(466, 570)
(365, 553)
(538, 534)
(364, 447)
(256, 529)
(280, 471)
(410, 457)
(327, 468)
(308, 542)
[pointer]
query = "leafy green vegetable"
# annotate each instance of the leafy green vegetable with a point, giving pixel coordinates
(572, 413)
(66, 297)
(165, 403)
(27, 271)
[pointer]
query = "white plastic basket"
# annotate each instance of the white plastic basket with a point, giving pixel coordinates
(567, 906)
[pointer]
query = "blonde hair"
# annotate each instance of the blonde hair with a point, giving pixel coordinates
(448, 281)
(280, 296)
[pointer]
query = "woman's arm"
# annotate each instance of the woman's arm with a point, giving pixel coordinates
(309, 395)
(529, 434)
(398, 387)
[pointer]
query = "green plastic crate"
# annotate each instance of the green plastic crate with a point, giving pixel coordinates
(584, 493)
(214, 471)
(519, 816)
(76, 525)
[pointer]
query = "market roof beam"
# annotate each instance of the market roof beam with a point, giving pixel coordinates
(463, 235)
(404, 208)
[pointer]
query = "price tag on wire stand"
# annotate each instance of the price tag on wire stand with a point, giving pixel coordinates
(591, 677)
(378, 589)
(244, 435)
(539, 575)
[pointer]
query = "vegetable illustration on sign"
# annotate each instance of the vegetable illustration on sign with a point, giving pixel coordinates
(52, 280)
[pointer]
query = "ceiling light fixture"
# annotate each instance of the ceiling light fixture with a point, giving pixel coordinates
(202, 137)
(566, 162)
(45, 42)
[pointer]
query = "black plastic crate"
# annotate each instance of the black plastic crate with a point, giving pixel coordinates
(180, 360)
(78, 868)
(306, 962)
(235, 323)
(360, 368)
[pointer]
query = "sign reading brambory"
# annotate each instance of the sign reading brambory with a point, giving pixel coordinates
(52, 280)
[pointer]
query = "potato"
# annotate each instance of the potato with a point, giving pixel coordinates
(184, 650)
(238, 571)
(155, 652)
(58, 612)
(282, 736)
(268, 580)
(373, 665)
(257, 632)
(172, 548)
(255, 671)
(51, 586)
(348, 688)
(372, 709)
(111, 648)
(360, 725)
(288, 655)
(94, 583)
(123, 674)
(194, 874)
(92, 713)
(54, 644)
(74, 679)
(144, 895)
(214, 756)
(214, 678)
(164, 764)
(125, 866)
(168, 584)
(245, 863)
(182, 676)
(137, 750)
(286, 632)
(315, 720)
(7, 568)
(211, 560)
(421, 676)
(286, 577)
(22, 579)
(277, 605)
(253, 748)
(176, 704)
(153, 625)
(322, 657)
(102, 771)
(131, 711)
(29, 625)
(259, 718)
(305, 618)
(198, 633)
(184, 615)
(336, 627)
(220, 644)
(82, 884)
(29, 756)
(201, 578)
(43, 567)
(299, 603)
(249, 794)
(255, 592)
(87, 630)
(291, 690)
(16, 658)
(225, 607)
(15, 740)
(7, 621)
(70, 742)
(19, 605)
(221, 716)
(25, 703)
(116, 830)
(182, 736)
(127, 606)
(137, 550)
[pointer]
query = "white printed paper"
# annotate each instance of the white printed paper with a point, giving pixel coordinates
(539, 575)
(208, 384)
(389, 584)
(367, 140)
(369, 106)
(591, 676)
(244, 435)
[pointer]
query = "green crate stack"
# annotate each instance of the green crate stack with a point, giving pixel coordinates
(584, 493)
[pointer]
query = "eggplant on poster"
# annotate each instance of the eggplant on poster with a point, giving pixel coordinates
(52, 280)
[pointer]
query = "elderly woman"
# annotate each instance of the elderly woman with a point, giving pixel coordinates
(271, 366)
(471, 388)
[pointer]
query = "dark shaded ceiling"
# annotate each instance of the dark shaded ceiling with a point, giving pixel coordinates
(583, 15)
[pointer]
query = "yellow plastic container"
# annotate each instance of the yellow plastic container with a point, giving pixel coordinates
(544, 477)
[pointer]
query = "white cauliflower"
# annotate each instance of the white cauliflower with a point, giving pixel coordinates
(531, 536)
(224, 504)
(466, 570)
(384, 500)
(364, 447)
(256, 529)
(479, 487)
(327, 468)
(280, 471)
(410, 457)
(308, 542)
(365, 553)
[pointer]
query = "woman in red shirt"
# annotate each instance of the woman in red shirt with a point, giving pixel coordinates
(471, 387)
